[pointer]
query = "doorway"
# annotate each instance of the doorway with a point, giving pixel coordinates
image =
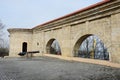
(24, 47)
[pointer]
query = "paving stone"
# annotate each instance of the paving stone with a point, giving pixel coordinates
(45, 68)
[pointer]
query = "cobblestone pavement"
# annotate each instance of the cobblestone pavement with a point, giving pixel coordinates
(45, 68)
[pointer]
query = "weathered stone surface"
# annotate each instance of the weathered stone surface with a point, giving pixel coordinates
(102, 20)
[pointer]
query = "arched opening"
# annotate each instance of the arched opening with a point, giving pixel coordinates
(90, 46)
(53, 47)
(24, 47)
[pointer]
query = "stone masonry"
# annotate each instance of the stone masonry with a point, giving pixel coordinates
(101, 19)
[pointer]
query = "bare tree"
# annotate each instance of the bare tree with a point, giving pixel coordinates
(93, 47)
(3, 48)
(1, 34)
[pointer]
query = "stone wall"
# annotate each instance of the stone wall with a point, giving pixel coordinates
(17, 37)
(115, 37)
(102, 21)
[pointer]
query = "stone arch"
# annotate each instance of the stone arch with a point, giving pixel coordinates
(24, 47)
(52, 50)
(79, 42)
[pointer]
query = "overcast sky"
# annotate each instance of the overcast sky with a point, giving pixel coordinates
(30, 13)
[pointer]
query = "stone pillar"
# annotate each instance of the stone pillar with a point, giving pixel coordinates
(115, 35)
(66, 41)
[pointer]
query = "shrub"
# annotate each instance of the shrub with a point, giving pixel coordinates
(4, 52)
